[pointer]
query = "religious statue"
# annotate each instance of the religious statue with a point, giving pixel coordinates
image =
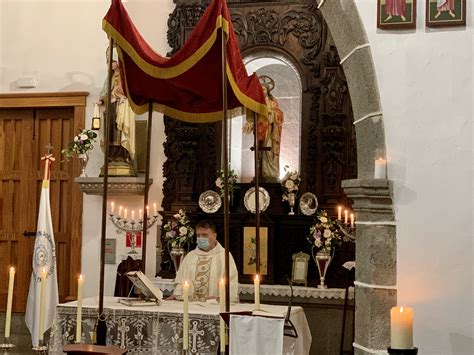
(268, 133)
(122, 132)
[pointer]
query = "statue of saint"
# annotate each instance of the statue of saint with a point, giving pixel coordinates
(268, 133)
(122, 133)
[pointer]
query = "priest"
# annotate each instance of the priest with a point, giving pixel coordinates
(204, 267)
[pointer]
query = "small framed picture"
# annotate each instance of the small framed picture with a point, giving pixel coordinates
(396, 14)
(250, 251)
(441, 13)
(299, 274)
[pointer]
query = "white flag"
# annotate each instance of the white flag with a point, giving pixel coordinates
(44, 256)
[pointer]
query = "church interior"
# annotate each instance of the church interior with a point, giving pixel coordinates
(355, 128)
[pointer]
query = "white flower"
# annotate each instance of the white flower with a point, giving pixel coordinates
(219, 182)
(327, 233)
(327, 242)
(317, 242)
(84, 137)
(289, 184)
(177, 216)
(183, 230)
(294, 176)
(323, 219)
(76, 138)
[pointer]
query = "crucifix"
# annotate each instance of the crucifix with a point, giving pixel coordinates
(48, 159)
(259, 155)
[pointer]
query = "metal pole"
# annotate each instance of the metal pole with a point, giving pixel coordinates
(257, 195)
(101, 325)
(147, 184)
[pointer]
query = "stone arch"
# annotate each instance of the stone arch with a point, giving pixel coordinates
(375, 286)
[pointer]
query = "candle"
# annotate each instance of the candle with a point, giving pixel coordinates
(185, 315)
(339, 212)
(257, 292)
(380, 169)
(80, 281)
(222, 336)
(154, 208)
(133, 215)
(120, 211)
(8, 317)
(346, 212)
(125, 213)
(41, 315)
(401, 327)
(112, 207)
(147, 211)
(140, 214)
(352, 220)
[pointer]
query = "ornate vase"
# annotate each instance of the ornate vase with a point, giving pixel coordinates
(83, 159)
(322, 258)
(177, 255)
(291, 202)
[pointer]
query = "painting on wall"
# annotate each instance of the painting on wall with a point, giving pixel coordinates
(440, 13)
(396, 14)
(250, 251)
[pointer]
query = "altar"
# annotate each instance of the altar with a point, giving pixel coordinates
(158, 329)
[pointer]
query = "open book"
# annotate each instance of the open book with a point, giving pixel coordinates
(151, 295)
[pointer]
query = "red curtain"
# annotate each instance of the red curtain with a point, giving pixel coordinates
(188, 85)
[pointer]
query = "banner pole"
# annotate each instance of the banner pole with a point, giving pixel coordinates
(147, 185)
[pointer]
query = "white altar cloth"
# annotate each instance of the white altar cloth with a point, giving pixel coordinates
(158, 329)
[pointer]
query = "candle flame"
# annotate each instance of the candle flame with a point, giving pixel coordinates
(80, 276)
(222, 280)
(12, 269)
(401, 309)
(380, 158)
(185, 283)
(44, 270)
(256, 277)
(339, 208)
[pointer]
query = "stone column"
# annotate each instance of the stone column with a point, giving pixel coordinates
(376, 267)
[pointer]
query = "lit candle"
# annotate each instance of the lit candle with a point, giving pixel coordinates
(352, 220)
(186, 315)
(222, 309)
(112, 207)
(147, 211)
(41, 315)
(8, 317)
(346, 212)
(401, 327)
(80, 282)
(257, 292)
(125, 213)
(339, 212)
(120, 211)
(380, 169)
(133, 215)
(154, 208)
(140, 214)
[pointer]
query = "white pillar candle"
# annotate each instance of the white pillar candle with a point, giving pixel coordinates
(346, 212)
(120, 211)
(140, 214)
(339, 213)
(380, 169)
(401, 327)
(125, 213)
(148, 211)
(112, 207)
(80, 282)
(352, 220)
(257, 292)
(222, 336)
(8, 317)
(186, 315)
(42, 300)
(154, 208)
(133, 215)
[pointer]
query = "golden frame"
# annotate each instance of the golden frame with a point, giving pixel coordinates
(299, 273)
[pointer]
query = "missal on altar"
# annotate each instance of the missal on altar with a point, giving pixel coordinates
(150, 295)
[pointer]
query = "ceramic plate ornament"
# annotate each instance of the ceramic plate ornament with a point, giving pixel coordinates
(308, 204)
(210, 201)
(263, 200)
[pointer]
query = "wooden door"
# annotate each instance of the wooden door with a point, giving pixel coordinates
(27, 125)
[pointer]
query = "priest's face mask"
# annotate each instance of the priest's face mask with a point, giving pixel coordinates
(206, 238)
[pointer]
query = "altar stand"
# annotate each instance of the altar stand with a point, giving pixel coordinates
(158, 329)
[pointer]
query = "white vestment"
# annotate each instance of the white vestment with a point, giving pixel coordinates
(203, 270)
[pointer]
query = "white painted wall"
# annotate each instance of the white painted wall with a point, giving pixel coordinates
(425, 80)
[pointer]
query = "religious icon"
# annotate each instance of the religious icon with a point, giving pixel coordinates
(250, 251)
(396, 14)
(440, 13)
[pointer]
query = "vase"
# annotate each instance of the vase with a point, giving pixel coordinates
(83, 159)
(291, 202)
(177, 255)
(322, 258)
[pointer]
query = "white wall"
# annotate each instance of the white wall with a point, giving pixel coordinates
(425, 80)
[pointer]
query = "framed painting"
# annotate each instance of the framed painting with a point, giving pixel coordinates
(441, 13)
(396, 14)
(250, 251)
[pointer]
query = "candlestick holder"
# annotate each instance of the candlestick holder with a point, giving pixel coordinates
(5, 347)
(132, 227)
(41, 349)
(412, 351)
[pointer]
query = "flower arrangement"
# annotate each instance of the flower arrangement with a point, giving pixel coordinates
(290, 183)
(81, 144)
(231, 181)
(178, 230)
(325, 233)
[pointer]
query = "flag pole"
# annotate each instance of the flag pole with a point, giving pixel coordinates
(147, 185)
(257, 196)
(101, 324)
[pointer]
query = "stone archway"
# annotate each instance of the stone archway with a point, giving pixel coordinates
(376, 252)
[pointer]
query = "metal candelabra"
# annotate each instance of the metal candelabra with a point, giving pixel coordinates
(132, 227)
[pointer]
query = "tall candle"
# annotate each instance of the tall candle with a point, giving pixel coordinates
(140, 214)
(352, 220)
(401, 330)
(339, 212)
(346, 212)
(112, 207)
(380, 169)
(120, 211)
(222, 309)
(257, 292)
(154, 208)
(133, 215)
(42, 300)
(186, 315)
(8, 317)
(80, 282)
(148, 211)
(125, 213)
